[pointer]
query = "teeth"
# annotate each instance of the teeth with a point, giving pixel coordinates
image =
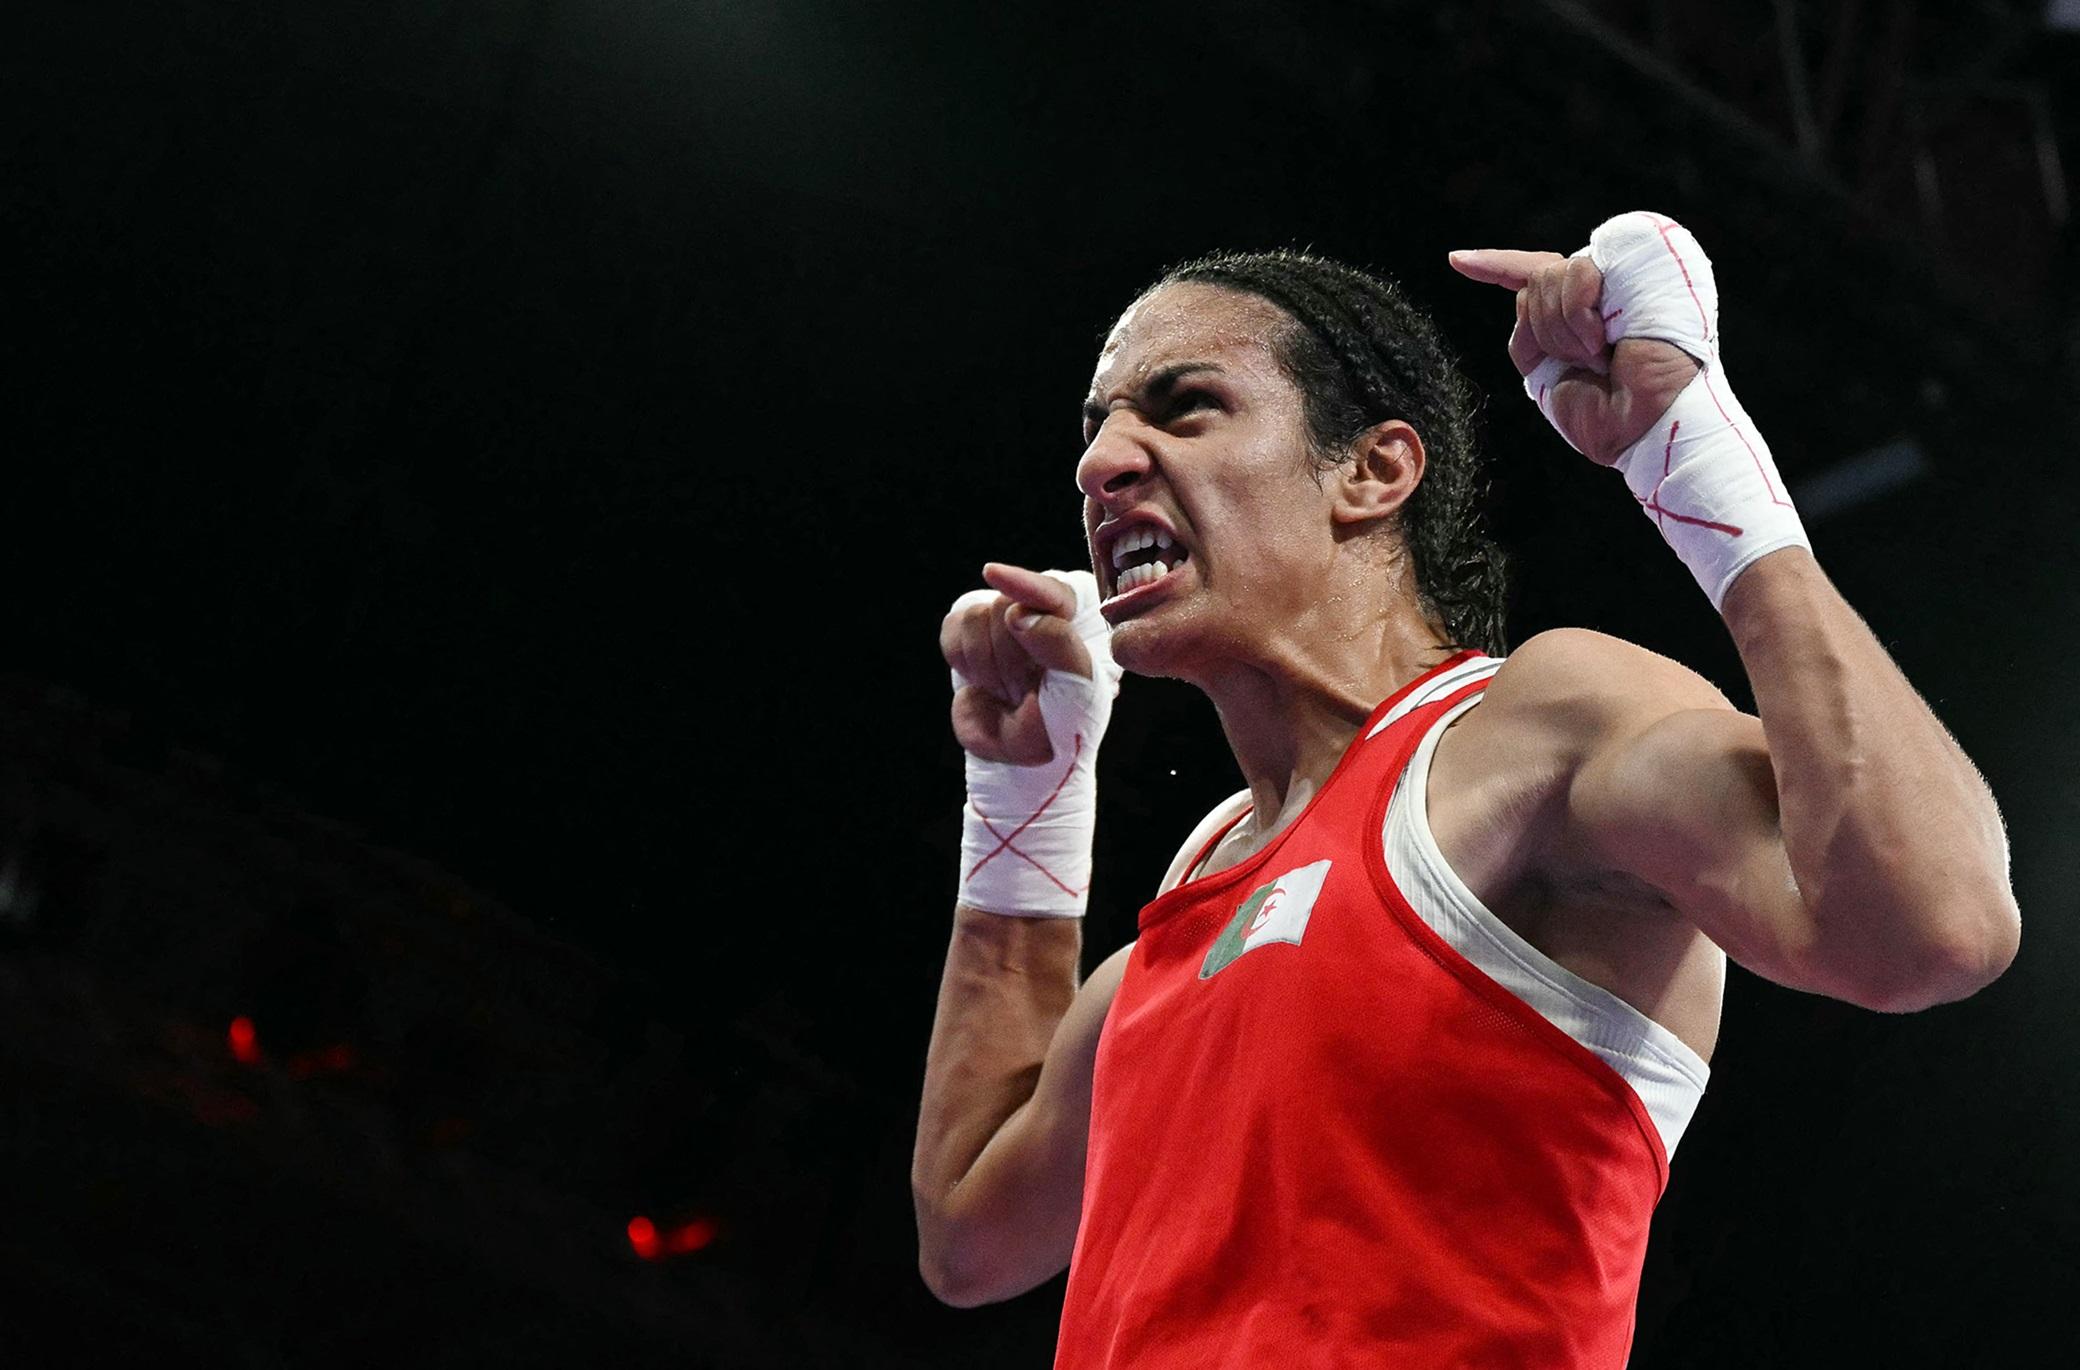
(1134, 577)
(1134, 539)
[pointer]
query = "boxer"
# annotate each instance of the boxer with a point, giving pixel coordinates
(1393, 1070)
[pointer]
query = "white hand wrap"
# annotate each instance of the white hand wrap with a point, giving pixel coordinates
(1702, 472)
(1026, 830)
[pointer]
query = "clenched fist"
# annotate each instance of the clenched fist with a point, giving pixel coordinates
(1619, 346)
(1000, 644)
(1033, 681)
(1608, 396)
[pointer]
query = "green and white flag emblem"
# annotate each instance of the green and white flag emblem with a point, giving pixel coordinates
(1277, 912)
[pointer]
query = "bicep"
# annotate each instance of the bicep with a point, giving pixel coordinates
(1687, 803)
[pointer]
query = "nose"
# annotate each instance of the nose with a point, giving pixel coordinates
(1114, 462)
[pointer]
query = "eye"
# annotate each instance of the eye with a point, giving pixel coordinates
(1187, 401)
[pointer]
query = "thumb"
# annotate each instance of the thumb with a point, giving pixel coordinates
(1040, 615)
(1049, 640)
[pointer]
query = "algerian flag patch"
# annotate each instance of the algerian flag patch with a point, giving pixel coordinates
(1277, 912)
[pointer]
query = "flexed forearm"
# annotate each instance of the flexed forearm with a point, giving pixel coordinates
(1894, 838)
(1008, 982)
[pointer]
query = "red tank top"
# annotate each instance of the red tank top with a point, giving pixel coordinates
(1320, 1136)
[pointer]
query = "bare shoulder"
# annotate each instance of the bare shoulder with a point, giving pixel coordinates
(1504, 775)
(1578, 684)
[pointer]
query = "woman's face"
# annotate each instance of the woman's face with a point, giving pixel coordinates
(1209, 531)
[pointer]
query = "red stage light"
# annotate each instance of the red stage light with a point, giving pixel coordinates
(653, 1245)
(689, 1236)
(245, 1042)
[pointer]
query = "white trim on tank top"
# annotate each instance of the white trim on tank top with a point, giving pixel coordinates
(1466, 672)
(1664, 1072)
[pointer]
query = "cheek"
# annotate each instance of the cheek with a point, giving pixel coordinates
(1274, 557)
(1273, 510)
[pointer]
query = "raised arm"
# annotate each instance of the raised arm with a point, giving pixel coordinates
(1841, 843)
(997, 1175)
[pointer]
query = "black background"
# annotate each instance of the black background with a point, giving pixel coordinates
(523, 450)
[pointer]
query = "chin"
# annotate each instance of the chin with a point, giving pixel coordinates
(1148, 646)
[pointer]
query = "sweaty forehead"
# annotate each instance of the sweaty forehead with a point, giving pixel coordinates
(1188, 320)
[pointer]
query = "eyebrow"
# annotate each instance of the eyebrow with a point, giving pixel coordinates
(1157, 387)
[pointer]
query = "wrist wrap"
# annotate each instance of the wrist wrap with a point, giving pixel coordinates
(1703, 472)
(1026, 830)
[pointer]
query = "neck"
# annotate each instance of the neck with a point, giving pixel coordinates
(1291, 710)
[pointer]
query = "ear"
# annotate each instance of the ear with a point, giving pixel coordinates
(1384, 468)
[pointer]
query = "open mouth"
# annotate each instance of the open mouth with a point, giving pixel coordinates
(1143, 556)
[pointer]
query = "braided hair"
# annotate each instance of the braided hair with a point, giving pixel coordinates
(1361, 354)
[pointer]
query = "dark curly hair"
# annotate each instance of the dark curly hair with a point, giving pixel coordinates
(1361, 354)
